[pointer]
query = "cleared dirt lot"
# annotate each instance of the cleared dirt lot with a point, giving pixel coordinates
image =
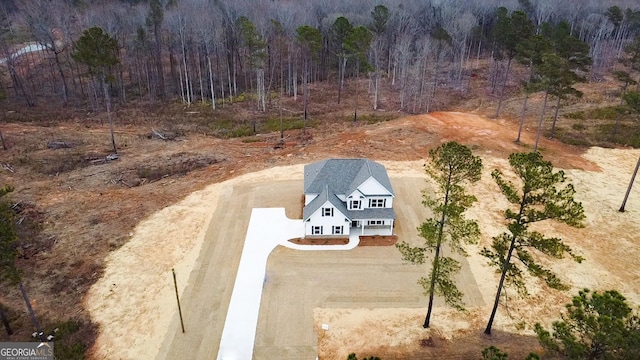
(369, 298)
(297, 281)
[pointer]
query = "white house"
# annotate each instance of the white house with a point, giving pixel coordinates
(346, 195)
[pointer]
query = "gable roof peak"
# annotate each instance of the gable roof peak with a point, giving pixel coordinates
(343, 176)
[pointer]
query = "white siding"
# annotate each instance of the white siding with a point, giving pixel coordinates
(327, 222)
(356, 195)
(372, 187)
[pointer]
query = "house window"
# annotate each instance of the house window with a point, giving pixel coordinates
(355, 204)
(375, 222)
(327, 211)
(316, 230)
(377, 203)
(336, 230)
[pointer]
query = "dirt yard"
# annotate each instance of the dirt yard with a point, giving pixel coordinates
(367, 296)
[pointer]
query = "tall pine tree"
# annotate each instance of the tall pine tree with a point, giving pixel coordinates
(99, 52)
(451, 167)
(541, 194)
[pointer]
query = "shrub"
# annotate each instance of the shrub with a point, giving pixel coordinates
(576, 115)
(372, 118)
(288, 123)
(604, 113)
(241, 131)
(578, 126)
(627, 135)
(67, 347)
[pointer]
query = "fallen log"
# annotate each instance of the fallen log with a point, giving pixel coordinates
(54, 145)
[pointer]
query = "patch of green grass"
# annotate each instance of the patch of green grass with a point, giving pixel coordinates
(288, 123)
(627, 135)
(242, 97)
(604, 113)
(252, 139)
(576, 135)
(372, 118)
(571, 139)
(226, 128)
(67, 328)
(376, 118)
(578, 126)
(241, 131)
(74, 351)
(576, 115)
(67, 346)
(219, 124)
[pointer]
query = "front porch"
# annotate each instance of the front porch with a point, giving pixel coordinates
(363, 227)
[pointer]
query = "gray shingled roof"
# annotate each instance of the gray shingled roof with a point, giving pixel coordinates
(332, 177)
(370, 213)
(320, 200)
(343, 176)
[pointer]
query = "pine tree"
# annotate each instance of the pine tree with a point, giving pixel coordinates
(357, 44)
(99, 52)
(8, 237)
(451, 167)
(256, 53)
(576, 54)
(626, 80)
(510, 32)
(154, 20)
(530, 53)
(596, 326)
(541, 195)
(340, 30)
(310, 39)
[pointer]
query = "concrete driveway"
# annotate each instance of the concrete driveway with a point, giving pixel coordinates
(268, 228)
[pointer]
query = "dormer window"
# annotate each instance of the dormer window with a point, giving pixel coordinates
(327, 211)
(355, 205)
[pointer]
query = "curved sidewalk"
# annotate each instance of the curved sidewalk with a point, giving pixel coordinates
(268, 228)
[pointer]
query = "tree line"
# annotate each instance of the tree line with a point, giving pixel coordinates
(215, 51)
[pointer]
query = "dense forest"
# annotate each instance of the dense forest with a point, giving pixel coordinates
(216, 51)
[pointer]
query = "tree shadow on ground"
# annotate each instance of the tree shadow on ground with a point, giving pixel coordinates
(465, 345)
